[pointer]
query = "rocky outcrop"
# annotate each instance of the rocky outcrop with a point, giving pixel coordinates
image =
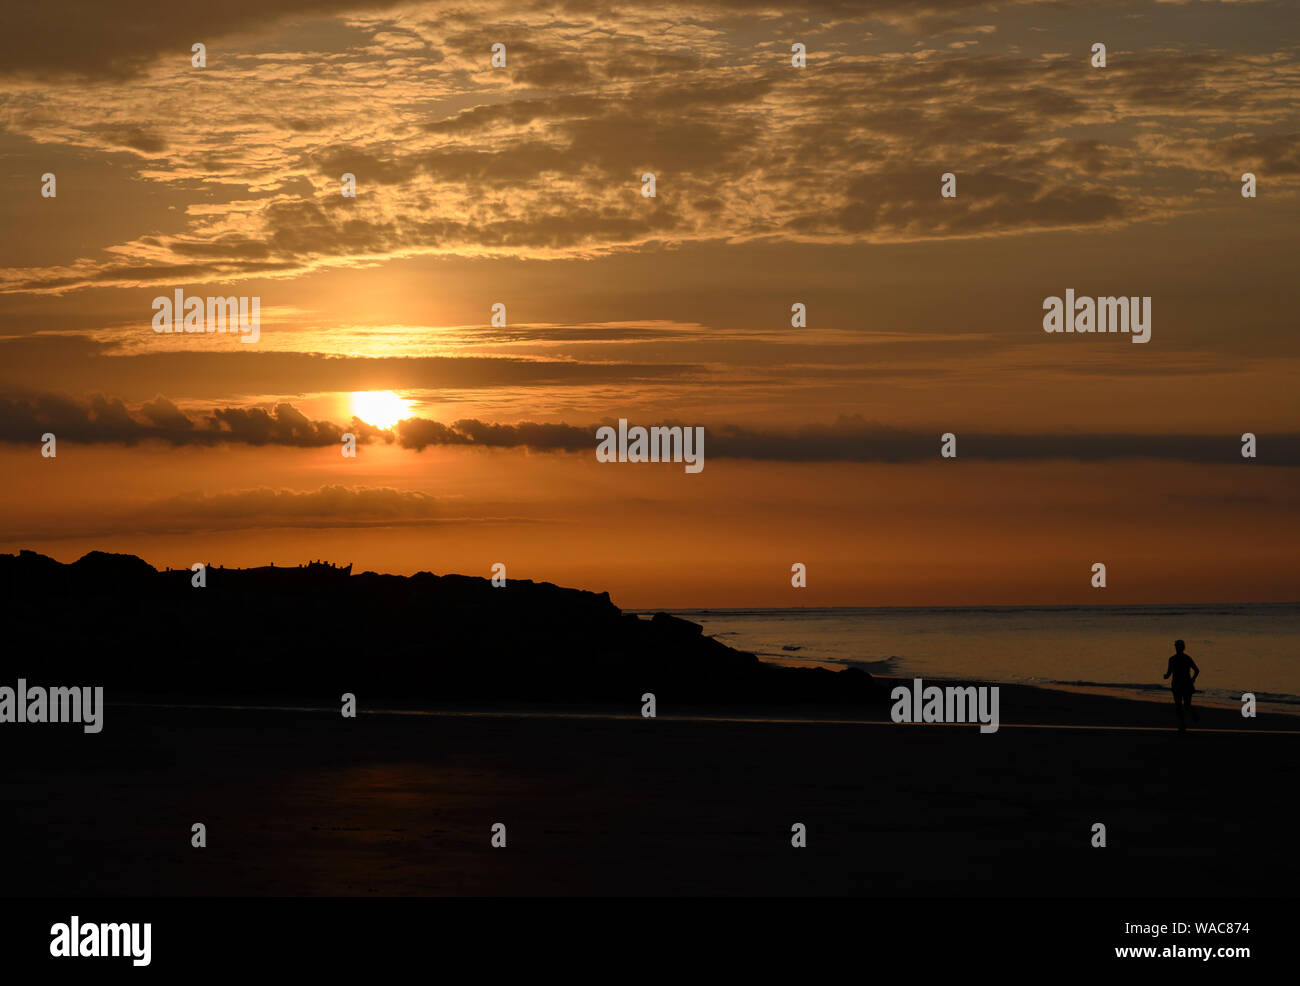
(315, 632)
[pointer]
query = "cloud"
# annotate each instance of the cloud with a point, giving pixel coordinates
(419, 433)
(105, 420)
(543, 159)
(102, 420)
(86, 39)
(853, 439)
(330, 506)
(58, 39)
(75, 363)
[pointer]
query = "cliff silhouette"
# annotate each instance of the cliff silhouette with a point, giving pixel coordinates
(313, 632)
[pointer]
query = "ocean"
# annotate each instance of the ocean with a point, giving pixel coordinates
(1116, 650)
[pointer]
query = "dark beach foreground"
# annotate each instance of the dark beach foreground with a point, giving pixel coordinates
(604, 802)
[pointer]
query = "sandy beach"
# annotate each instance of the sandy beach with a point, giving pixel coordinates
(597, 801)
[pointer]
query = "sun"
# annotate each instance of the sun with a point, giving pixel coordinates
(381, 408)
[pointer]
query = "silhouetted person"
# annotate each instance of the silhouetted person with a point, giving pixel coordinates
(1184, 672)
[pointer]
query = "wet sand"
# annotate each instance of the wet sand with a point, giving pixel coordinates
(309, 803)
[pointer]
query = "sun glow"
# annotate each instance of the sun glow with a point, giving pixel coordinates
(381, 408)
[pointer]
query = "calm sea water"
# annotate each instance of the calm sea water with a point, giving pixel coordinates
(1120, 650)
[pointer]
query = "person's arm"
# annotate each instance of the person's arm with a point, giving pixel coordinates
(1195, 670)
(1170, 669)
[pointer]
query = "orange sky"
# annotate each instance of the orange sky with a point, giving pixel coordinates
(775, 185)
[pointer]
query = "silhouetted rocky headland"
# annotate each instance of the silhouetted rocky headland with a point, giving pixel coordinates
(317, 631)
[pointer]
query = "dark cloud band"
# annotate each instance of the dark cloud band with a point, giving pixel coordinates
(104, 420)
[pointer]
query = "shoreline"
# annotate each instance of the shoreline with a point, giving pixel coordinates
(1022, 705)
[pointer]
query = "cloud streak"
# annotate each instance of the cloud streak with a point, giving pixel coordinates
(102, 420)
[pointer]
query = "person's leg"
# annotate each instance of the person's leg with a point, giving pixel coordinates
(1178, 710)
